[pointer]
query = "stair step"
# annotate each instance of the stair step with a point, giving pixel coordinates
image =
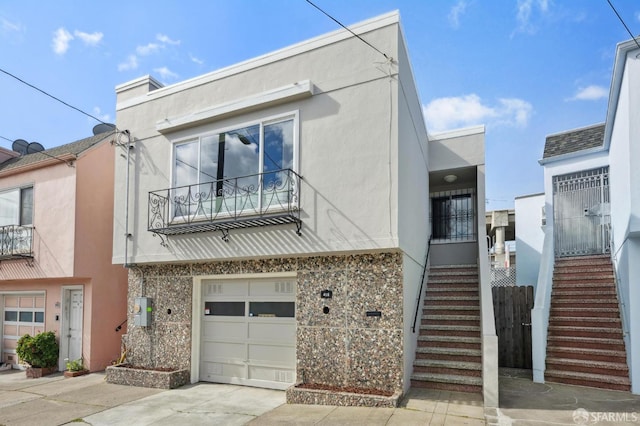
(588, 379)
(449, 330)
(458, 365)
(587, 354)
(589, 312)
(452, 317)
(587, 342)
(587, 366)
(450, 267)
(580, 331)
(574, 303)
(585, 322)
(451, 308)
(452, 342)
(449, 351)
(456, 290)
(580, 285)
(448, 378)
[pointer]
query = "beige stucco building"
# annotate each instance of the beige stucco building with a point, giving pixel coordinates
(278, 215)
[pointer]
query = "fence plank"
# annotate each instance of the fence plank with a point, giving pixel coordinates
(512, 307)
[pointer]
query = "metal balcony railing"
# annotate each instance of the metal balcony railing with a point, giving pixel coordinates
(263, 199)
(16, 242)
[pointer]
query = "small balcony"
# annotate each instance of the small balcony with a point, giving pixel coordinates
(264, 199)
(16, 242)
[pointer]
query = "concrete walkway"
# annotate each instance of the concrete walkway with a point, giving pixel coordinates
(54, 400)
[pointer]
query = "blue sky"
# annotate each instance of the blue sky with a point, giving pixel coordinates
(524, 68)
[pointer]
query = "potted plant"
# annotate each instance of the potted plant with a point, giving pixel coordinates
(40, 352)
(75, 368)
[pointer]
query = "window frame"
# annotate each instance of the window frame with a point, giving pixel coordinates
(450, 236)
(18, 218)
(198, 134)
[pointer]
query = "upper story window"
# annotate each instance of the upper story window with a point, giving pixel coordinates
(232, 169)
(16, 207)
(453, 215)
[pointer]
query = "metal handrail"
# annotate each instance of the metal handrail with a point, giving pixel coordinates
(225, 199)
(422, 279)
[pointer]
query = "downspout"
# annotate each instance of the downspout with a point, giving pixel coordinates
(126, 202)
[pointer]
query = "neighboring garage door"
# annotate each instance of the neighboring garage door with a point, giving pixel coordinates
(248, 332)
(22, 314)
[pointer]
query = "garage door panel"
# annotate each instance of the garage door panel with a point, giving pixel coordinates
(223, 330)
(272, 374)
(224, 289)
(273, 332)
(216, 350)
(272, 354)
(271, 288)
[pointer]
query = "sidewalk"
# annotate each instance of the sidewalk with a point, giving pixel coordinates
(54, 400)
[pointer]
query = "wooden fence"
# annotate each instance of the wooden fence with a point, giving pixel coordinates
(512, 307)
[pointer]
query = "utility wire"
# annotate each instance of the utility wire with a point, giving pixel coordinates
(625, 25)
(356, 35)
(51, 96)
(6, 139)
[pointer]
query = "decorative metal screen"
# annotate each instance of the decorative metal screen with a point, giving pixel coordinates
(503, 277)
(581, 213)
(453, 215)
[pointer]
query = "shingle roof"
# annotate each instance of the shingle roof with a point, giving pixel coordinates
(574, 141)
(74, 148)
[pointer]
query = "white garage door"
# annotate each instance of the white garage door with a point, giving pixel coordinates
(23, 314)
(248, 332)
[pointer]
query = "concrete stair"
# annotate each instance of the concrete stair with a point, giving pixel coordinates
(584, 344)
(449, 355)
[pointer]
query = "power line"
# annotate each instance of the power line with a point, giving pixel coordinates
(51, 96)
(6, 139)
(625, 25)
(356, 35)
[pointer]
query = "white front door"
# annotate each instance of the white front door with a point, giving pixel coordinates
(71, 333)
(248, 332)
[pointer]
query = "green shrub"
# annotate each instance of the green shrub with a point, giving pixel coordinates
(40, 351)
(75, 365)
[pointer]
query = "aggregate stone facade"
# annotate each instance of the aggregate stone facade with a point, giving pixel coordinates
(341, 346)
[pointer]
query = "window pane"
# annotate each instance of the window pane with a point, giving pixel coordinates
(185, 173)
(26, 316)
(9, 207)
(229, 309)
(272, 309)
(39, 317)
(26, 206)
(10, 316)
(278, 146)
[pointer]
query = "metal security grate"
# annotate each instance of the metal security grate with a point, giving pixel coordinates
(453, 215)
(503, 277)
(581, 210)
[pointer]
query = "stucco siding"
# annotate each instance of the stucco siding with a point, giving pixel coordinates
(346, 155)
(529, 238)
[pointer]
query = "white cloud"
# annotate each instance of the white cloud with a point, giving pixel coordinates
(98, 113)
(61, 40)
(90, 39)
(590, 93)
(166, 40)
(196, 60)
(165, 73)
(8, 26)
(463, 111)
(525, 9)
(638, 16)
(148, 49)
(130, 64)
(455, 12)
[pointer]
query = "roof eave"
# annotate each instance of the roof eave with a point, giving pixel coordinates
(576, 154)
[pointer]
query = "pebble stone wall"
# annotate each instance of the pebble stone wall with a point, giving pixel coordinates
(338, 344)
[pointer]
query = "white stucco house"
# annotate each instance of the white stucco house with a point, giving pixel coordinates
(275, 217)
(592, 204)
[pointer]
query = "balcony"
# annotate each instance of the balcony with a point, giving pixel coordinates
(270, 198)
(16, 242)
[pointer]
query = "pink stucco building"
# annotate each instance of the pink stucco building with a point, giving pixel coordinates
(56, 221)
